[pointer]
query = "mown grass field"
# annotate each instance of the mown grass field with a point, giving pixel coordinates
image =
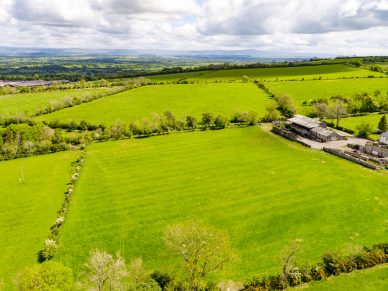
(30, 102)
(353, 122)
(282, 73)
(28, 210)
(309, 90)
(180, 99)
(261, 189)
(375, 279)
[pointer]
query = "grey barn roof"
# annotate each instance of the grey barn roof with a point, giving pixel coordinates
(322, 131)
(305, 121)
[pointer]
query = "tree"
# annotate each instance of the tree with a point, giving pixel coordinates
(245, 79)
(221, 121)
(207, 119)
(272, 113)
(103, 270)
(383, 124)
(364, 129)
(203, 249)
(322, 110)
(47, 276)
(139, 277)
(191, 122)
(49, 249)
(286, 105)
(338, 110)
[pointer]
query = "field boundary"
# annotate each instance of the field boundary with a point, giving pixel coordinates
(51, 243)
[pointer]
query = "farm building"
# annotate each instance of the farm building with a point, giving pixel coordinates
(313, 128)
(384, 138)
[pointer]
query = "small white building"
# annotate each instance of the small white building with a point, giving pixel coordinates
(384, 138)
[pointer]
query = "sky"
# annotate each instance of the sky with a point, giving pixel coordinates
(339, 27)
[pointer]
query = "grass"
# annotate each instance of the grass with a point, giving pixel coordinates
(372, 279)
(179, 99)
(308, 90)
(261, 189)
(282, 73)
(353, 122)
(28, 210)
(30, 102)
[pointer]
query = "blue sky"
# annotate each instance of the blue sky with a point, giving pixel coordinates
(338, 27)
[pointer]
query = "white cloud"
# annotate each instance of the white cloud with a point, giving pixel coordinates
(338, 26)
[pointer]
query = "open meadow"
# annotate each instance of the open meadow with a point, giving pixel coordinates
(31, 102)
(307, 91)
(375, 279)
(29, 209)
(281, 73)
(181, 100)
(261, 189)
(353, 122)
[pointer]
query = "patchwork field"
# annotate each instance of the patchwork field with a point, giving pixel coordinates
(179, 99)
(374, 279)
(30, 102)
(27, 210)
(282, 73)
(263, 190)
(352, 122)
(308, 90)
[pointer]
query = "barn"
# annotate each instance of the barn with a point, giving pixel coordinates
(313, 128)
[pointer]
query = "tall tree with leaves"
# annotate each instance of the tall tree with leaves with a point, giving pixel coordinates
(203, 249)
(383, 124)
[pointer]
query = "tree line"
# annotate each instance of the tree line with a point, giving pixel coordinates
(199, 250)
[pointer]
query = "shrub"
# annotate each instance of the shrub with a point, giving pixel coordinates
(294, 277)
(47, 276)
(333, 264)
(221, 121)
(207, 119)
(317, 273)
(49, 249)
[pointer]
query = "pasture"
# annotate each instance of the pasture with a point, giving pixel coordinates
(372, 279)
(263, 190)
(309, 90)
(353, 122)
(30, 102)
(280, 73)
(181, 100)
(27, 210)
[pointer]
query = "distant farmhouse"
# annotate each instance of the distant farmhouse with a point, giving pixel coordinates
(384, 138)
(313, 128)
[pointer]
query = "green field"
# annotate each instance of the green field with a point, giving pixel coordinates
(30, 102)
(282, 73)
(28, 210)
(308, 90)
(179, 99)
(375, 279)
(352, 122)
(263, 190)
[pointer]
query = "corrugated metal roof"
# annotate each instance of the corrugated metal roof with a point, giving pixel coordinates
(322, 131)
(305, 121)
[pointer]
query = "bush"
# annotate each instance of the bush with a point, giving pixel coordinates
(49, 249)
(221, 121)
(207, 119)
(317, 273)
(294, 277)
(46, 276)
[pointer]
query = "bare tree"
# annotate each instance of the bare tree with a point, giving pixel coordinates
(288, 257)
(203, 249)
(103, 271)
